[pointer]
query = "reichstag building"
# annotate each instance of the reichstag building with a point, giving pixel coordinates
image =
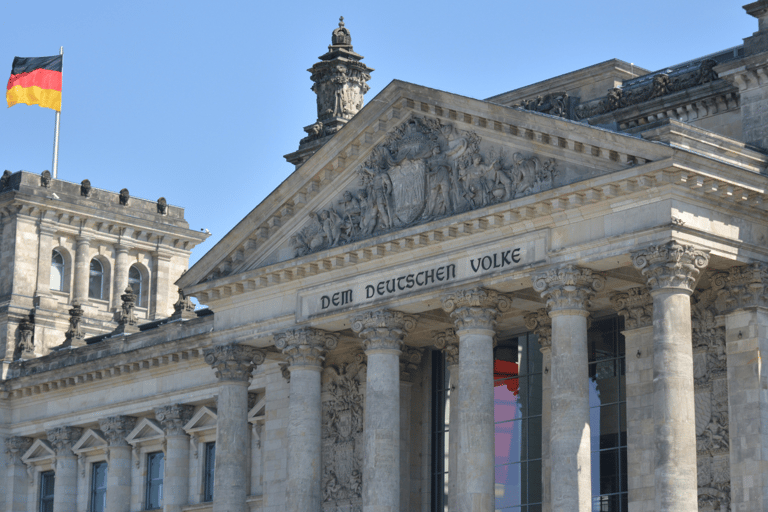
(554, 299)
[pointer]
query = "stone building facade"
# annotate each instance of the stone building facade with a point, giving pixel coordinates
(553, 299)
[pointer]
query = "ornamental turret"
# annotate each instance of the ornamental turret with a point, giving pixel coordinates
(340, 81)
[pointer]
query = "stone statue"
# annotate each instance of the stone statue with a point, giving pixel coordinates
(26, 337)
(351, 209)
(183, 308)
(74, 336)
(126, 317)
(162, 206)
(5, 179)
(45, 179)
(125, 196)
(85, 188)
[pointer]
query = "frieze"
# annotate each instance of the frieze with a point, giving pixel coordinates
(424, 170)
(555, 104)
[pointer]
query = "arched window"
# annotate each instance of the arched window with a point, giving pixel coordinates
(96, 280)
(135, 280)
(57, 271)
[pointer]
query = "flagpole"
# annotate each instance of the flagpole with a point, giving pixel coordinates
(56, 129)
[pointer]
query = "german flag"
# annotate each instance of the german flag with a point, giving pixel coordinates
(35, 81)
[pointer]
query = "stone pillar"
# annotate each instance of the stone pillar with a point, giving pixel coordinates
(176, 475)
(120, 280)
(567, 291)
(448, 342)
(671, 270)
(305, 349)
(44, 253)
(82, 269)
(541, 325)
(410, 361)
(382, 332)
(474, 314)
(234, 365)
(636, 306)
(743, 300)
(161, 302)
(65, 484)
(16, 478)
(115, 429)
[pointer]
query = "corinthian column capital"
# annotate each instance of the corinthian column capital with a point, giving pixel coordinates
(174, 417)
(63, 438)
(116, 428)
(16, 447)
(742, 287)
(541, 324)
(234, 363)
(448, 342)
(671, 266)
(307, 346)
(568, 287)
(383, 329)
(635, 305)
(475, 308)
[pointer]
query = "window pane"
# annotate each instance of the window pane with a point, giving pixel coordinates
(210, 459)
(99, 487)
(507, 440)
(57, 278)
(508, 480)
(95, 280)
(46, 491)
(155, 468)
(134, 279)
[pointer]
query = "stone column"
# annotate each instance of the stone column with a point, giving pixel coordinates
(382, 332)
(176, 475)
(305, 349)
(541, 325)
(65, 484)
(671, 270)
(120, 280)
(743, 299)
(115, 429)
(474, 314)
(410, 361)
(16, 478)
(162, 301)
(82, 269)
(567, 291)
(44, 253)
(448, 342)
(636, 306)
(234, 365)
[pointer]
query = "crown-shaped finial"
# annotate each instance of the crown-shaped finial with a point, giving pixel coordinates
(341, 21)
(341, 35)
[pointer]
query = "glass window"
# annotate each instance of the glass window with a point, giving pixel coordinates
(154, 484)
(99, 487)
(441, 403)
(517, 416)
(608, 415)
(96, 280)
(57, 271)
(210, 462)
(134, 279)
(46, 491)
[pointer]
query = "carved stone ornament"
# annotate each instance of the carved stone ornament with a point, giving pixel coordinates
(742, 287)
(162, 206)
(75, 337)
(635, 305)
(27, 337)
(654, 86)
(568, 287)
(63, 438)
(307, 346)
(116, 428)
(383, 329)
(410, 359)
(174, 417)
(476, 308)
(555, 104)
(448, 342)
(671, 266)
(125, 196)
(234, 362)
(183, 308)
(45, 179)
(126, 317)
(17, 446)
(342, 437)
(5, 180)
(85, 188)
(423, 171)
(540, 323)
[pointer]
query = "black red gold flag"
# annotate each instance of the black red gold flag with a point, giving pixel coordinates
(35, 81)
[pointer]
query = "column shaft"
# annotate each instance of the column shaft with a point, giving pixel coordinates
(161, 303)
(673, 402)
(453, 437)
(15, 483)
(82, 269)
(229, 480)
(119, 479)
(122, 264)
(304, 440)
(65, 484)
(569, 444)
(176, 476)
(45, 251)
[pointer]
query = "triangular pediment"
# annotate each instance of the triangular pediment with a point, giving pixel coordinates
(412, 157)
(145, 430)
(92, 439)
(204, 419)
(41, 450)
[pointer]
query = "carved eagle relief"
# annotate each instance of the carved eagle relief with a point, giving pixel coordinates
(424, 170)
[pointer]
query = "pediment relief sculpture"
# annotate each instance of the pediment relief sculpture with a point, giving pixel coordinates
(423, 171)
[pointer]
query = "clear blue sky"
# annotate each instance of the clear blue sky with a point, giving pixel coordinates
(198, 101)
